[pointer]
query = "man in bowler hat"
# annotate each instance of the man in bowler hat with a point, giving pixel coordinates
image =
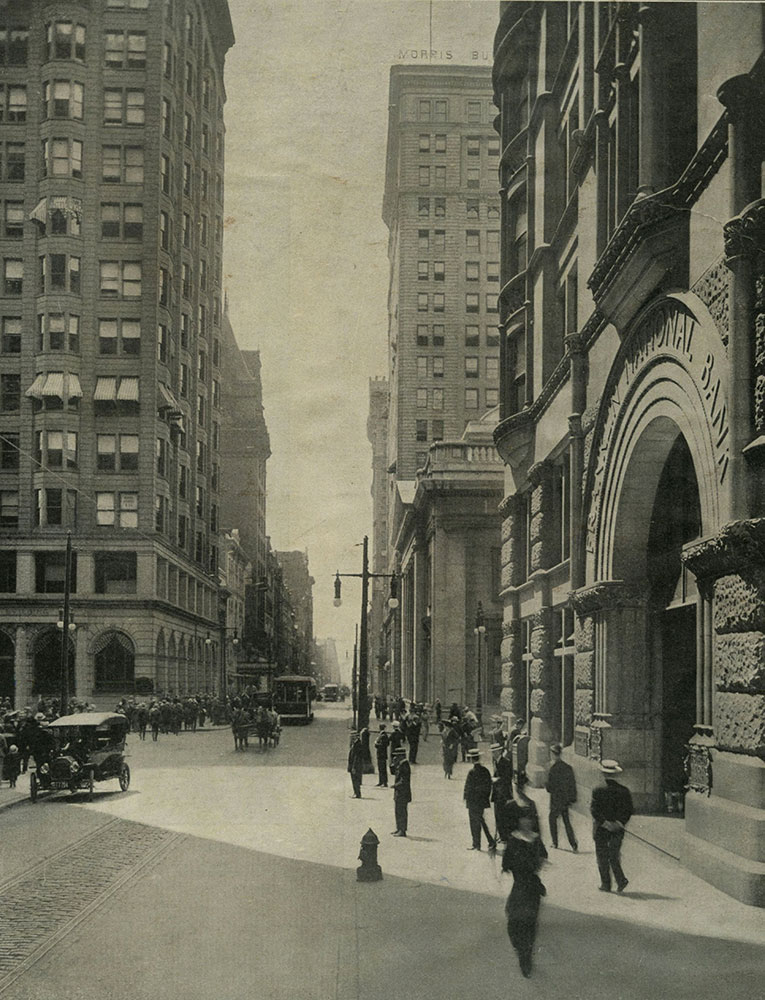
(381, 750)
(356, 764)
(477, 794)
(402, 790)
(561, 784)
(611, 809)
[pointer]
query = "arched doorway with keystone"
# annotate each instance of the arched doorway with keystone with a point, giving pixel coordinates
(46, 664)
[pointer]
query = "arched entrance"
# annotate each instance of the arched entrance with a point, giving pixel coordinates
(114, 662)
(46, 660)
(7, 668)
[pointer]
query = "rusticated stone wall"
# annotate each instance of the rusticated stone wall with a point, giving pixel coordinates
(541, 533)
(584, 669)
(541, 667)
(512, 698)
(759, 355)
(513, 555)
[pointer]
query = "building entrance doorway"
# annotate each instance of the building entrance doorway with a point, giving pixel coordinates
(47, 665)
(675, 521)
(7, 668)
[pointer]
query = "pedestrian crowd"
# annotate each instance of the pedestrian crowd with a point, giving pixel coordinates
(516, 828)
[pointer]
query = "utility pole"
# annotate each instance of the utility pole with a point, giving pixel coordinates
(364, 641)
(63, 707)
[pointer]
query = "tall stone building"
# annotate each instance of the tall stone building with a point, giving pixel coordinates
(112, 142)
(442, 211)
(299, 584)
(631, 407)
(377, 434)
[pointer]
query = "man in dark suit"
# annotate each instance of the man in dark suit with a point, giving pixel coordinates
(402, 790)
(381, 750)
(561, 784)
(477, 794)
(611, 809)
(356, 764)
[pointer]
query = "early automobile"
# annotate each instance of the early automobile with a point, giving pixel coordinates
(88, 747)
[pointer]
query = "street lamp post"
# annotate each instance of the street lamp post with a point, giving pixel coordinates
(480, 631)
(64, 624)
(365, 576)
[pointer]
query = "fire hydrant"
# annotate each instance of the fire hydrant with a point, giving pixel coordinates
(369, 871)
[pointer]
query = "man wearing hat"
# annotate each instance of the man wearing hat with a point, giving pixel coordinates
(356, 764)
(381, 749)
(402, 790)
(396, 737)
(611, 809)
(477, 794)
(561, 784)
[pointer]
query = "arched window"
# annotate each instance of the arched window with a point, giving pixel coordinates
(114, 662)
(172, 666)
(160, 667)
(7, 660)
(47, 664)
(181, 688)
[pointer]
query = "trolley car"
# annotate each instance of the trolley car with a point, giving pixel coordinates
(293, 698)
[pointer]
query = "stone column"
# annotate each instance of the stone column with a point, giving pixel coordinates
(543, 708)
(541, 537)
(652, 127)
(578, 369)
(512, 698)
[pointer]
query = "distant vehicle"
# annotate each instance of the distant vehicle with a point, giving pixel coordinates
(90, 747)
(330, 692)
(293, 698)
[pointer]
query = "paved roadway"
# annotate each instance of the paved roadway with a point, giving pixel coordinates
(229, 875)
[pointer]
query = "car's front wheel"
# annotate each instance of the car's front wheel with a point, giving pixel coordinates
(33, 786)
(125, 778)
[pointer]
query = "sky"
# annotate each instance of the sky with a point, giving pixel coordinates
(305, 247)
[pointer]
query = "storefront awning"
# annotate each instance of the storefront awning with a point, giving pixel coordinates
(40, 212)
(128, 390)
(166, 400)
(36, 388)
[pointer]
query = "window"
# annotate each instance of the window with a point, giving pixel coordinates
(438, 334)
(13, 103)
(472, 302)
(185, 329)
(423, 270)
(423, 207)
(13, 276)
(62, 157)
(474, 112)
(164, 230)
(492, 212)
(439, 302)
(439, 270)
(438, 399)
(120, 279)
(114, 509)
(15, 165)
(115, 572)
(183, 381)
(472, 336)
(439, 240)
(423, 110)
(203, 274)
(66, 40)
(7, 572)
(423, 240)
(167, 61)
(492, 270)
(124, 107)
(422, 366)
(437, 430)
(422, 302)
(161, 454)
(491, 302)
(440, 111)
(122, 164)
(183, 531)
(492, 336)
(471, 367)
(472, 209)
(568, 304)
(187, 178)
(163, 343)
(424, 142)
(421, 430)
(473, 147)
(561, 509)
(424, 176)
(200, 501)
(422, 398)
(201, 405)
(202, 366)
(216, 394)
(62, 99)
(122, 221)
(188, 129)
(441, 176)
(422, 335)
(205, 183)
(9, 451)
(58, 332)
(440, 143)
(14, 45)
(205, 139)
(472, 270)
(492, 369)
(56, 449)
(440, 208)
(471, 399)
(119, 336)
(473, 240)
(492, 398)
(183, 482)
(438, 366)
(125, 50)
(167, 118)
(9, 508)
(11, 335)
(492, 241)
(50, 572)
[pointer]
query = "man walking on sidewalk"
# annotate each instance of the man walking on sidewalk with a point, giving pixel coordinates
(611, 809)
(356, 764)
(402, 790)
(561, 784)
(381, 749)
(477, 794)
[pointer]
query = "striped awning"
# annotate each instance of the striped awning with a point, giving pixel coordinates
(71, 207)
(40, 212)
(36, 388)
(73, 387)
(106, 389)
(166, 399)
(128, 390)
(54, 385)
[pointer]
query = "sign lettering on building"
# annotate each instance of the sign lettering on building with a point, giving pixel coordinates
(671, 331)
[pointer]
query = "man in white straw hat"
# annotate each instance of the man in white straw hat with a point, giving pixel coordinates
(611, 809)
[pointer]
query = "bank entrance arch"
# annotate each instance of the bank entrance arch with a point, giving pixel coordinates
(658, 483)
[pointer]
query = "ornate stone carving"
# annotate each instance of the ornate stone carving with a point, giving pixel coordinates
(698, 769)
(596, 742)
(739, 602)
(607, 595)
(738, 546)
(739, 722)
(582, 742)
(713, 288)
(744, 235)
(511, 629)
(740, 662)
(739, 96)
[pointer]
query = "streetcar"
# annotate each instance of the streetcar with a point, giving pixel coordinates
(293, 698)
(89, 747)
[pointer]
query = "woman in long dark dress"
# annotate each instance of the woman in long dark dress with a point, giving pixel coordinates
(523, 857)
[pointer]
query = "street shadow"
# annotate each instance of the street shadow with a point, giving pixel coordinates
(423, 840)
(645, 895)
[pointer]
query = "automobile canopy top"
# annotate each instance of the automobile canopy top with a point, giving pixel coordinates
(92, 719)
